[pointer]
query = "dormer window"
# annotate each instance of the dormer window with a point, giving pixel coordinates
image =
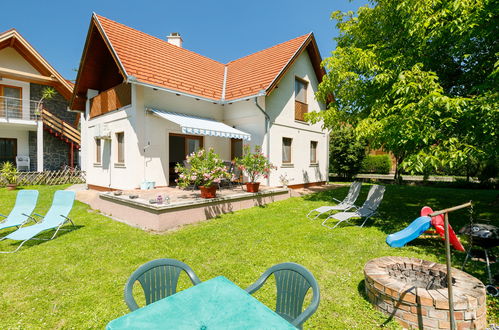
(301, 106)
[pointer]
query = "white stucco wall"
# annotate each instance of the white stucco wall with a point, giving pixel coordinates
(108, 173)
(11, 59)
(280, 105)
(147, 136)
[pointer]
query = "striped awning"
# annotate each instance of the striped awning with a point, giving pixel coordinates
(201, 126)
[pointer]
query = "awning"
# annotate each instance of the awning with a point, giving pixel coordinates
(201, 126)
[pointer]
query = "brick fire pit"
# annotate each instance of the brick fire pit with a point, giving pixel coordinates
(414, 292)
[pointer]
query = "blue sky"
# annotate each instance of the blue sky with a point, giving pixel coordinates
(221, 30)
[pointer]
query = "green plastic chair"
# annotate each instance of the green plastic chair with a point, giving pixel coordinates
(293, 282)
(158, 279)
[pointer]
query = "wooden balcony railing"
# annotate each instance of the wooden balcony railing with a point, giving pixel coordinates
(111, 99)
(300, 110)
(61, 127)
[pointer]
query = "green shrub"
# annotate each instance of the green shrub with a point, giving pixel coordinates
(379, 164)
(346, 152)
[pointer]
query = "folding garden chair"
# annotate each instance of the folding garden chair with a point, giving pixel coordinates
(158, 279)
(344, 205)
(293, 282)
(21, 213)
(55, 218)
(368, 209)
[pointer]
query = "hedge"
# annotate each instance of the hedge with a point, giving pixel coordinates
(380, 164)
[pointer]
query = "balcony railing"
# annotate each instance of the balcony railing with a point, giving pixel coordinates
(14, 108)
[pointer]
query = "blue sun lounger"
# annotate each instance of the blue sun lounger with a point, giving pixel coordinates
(21, 213)
(55, 218)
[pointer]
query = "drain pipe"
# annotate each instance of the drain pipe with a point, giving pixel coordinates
(267, 129)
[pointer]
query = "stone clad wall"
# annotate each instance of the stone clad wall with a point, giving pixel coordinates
(55, 151)
(32, 150)
(418, 307)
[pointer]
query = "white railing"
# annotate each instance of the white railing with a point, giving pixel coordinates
(14, 108)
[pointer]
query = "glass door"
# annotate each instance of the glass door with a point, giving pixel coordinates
(193, 144)
(8, 150)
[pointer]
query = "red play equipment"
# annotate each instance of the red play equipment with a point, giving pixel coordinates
(438, 223)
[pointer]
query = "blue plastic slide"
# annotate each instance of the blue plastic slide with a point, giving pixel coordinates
(416, 228)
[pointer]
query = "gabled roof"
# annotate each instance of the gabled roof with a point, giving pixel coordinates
(48, 75)
(145, 59)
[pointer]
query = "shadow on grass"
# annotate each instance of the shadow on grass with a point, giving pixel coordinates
(45, 237)
(402, 204)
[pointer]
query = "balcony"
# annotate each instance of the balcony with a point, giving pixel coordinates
(14, 108)
(111, 99)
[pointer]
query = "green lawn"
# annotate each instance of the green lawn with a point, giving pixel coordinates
(76, 280)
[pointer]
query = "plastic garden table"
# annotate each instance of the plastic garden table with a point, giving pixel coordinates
(215, 304)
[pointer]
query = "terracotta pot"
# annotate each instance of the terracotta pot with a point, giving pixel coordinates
(208, 192)
(11, 186)
(252, 186)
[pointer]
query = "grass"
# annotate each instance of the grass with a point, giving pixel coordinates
(77, 280)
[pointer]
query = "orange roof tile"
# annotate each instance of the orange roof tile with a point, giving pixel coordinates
(249, 75)
(155, 61)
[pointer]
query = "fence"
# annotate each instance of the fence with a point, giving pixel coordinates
(48, 178)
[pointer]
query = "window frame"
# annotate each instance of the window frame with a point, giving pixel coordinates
(98, 152)
(301, 107)
(305, 84)
(120, 160)
(290, 161)
(2, 94)
(314, 160)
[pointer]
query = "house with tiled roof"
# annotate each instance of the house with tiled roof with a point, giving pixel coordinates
(149, 102)
(36, 133)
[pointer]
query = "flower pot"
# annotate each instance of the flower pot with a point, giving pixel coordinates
(252, 186)
(11, 186)
(208, 192)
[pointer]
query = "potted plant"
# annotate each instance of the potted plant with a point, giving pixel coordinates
(10, 174)
(254, 165)
(205, 169)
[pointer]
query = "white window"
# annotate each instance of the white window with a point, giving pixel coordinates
(313, 152)
(301, 90)
(120, 154)
(98, 151)
(286, 150)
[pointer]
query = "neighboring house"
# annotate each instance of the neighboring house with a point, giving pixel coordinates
(148, 102)
(41, 132)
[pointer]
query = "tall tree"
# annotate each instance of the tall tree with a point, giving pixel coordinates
(419, 79)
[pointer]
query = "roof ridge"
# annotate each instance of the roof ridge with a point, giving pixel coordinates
(162, 40)
(262, 50)
(7, 31)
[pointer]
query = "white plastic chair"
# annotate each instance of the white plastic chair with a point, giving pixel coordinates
(22, 163)
(344, 205)
(368, 209)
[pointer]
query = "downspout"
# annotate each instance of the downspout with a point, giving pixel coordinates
(267, 131)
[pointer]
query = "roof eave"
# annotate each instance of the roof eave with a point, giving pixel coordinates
(16, 36)
(319, 71)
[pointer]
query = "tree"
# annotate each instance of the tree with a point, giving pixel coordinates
(419, 79)
(346, 152)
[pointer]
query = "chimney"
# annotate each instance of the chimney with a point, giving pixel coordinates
(175, 39)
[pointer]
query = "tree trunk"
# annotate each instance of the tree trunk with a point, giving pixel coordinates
(398, 175)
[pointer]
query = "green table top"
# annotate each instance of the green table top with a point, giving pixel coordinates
(214, 304)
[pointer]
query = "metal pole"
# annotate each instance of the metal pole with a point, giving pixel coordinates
(449, 273)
